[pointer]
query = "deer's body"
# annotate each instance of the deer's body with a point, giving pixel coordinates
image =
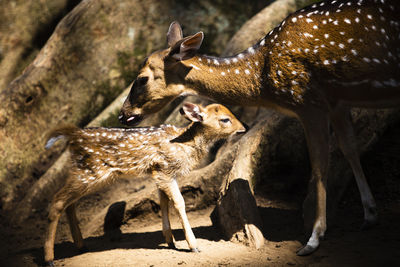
(101, 155)
(315, 65)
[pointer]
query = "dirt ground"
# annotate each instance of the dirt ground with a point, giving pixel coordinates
(139, 242)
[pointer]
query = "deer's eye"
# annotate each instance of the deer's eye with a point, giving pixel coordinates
(140, 81)
(225, 120)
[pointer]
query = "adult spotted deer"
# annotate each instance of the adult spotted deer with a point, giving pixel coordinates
(314, 65)
(102, 155)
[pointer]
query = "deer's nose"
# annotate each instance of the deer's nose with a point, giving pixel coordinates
(129, 119)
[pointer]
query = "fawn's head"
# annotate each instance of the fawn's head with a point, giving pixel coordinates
(160, 76)
(215, 119)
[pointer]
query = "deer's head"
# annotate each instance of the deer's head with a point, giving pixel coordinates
(160, 77)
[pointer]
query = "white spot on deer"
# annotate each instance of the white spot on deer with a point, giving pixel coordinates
(194, 66)
(373, 27)
(279, 72)
(294, 72)
(237, 71)
(306, 34)
(215, 62)
(234, 60)
(294, 19)
(336, 22)
(344, 58)
(315, 27)
(309, 20)
(376, 60)
(211, 70)
(223, 73)
(104, 134)
(240, 56)
(251, 50)
(326, 62)
(324, 21)
(326, 36)
(341, 46)
(366, 59)
(256, 63)
(342, 33)
(289, 43)
(199, 59)
(347, 21)
(357, 20)
(332, 43)
(247, 71)
(262, 43)
(369, 16)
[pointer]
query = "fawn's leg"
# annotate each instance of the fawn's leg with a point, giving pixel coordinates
(341, 122)
(74, 226)
(175, 195)
(166, 226)
(61, 200)
(316, 127)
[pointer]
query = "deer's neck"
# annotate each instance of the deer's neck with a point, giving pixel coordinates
(197, 137)
(228, 79)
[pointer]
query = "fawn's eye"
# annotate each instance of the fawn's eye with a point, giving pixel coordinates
(225, 120)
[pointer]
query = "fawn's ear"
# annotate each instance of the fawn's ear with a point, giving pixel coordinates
(174, 33)
(192, 112)
(187, 47)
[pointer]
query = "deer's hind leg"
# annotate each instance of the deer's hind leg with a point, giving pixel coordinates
(343, 127)
(74, 227)
(166, 225)
(61, 200)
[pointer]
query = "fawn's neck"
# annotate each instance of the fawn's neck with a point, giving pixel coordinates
(196, 136)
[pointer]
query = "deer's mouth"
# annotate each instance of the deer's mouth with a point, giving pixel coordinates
(130, 120)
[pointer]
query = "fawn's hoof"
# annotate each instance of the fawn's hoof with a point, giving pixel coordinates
(50, 263)
(83, 249)
(306, 250)
(171, 245)
(195, 250)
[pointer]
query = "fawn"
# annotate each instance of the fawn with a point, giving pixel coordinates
(102, 155)
(315, 65)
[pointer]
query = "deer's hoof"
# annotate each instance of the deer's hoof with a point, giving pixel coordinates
(195, 250)
(306, 250)
(50, 263)
(171, 245)
(368, 224)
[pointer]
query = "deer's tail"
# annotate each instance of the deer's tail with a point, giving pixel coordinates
(65, 131)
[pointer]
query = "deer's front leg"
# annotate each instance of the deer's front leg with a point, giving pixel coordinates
(179, 203)
(166, 226)
(316, 127)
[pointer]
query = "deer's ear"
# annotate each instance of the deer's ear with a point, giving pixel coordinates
(188, 47)
(192, 112)
(174, 33)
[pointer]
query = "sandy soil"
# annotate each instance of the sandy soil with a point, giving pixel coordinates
(139, 241)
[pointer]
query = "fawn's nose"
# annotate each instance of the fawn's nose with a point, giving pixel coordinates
(129, 119)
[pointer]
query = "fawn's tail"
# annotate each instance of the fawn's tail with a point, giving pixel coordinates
(65, 131)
